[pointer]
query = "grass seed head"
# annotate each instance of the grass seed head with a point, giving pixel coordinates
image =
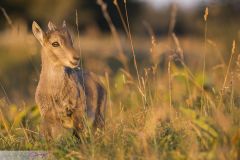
(206, 14)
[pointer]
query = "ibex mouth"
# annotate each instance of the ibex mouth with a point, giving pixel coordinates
(75, 64)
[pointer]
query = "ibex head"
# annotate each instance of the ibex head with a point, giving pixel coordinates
(58, 44)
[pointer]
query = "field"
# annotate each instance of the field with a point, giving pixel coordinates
(170, 97)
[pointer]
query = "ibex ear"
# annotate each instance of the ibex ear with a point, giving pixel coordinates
(51, 26)
(64, 25)
(38, 33)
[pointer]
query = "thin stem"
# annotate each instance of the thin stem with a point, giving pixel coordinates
(115, 2)
(81, 57)
(204, 58)
(170, 84)
(133, 50)
(227, 73)
(114, 32)
(6, 17)
(109, 94)
(131, 41)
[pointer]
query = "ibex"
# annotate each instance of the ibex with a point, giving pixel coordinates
(66, 94)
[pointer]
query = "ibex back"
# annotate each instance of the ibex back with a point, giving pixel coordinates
(66, 95)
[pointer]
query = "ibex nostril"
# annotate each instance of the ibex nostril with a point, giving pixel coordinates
(76, 58)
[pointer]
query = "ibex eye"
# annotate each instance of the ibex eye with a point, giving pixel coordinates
(55, 44)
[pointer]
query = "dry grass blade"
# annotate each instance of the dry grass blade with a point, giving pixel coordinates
(5, 124)
(80, 48)
(109, 94)
(203, 109)
(7, 17)
(115, 2)
(178, 46)
(133, 50)
(172, 19)
(170, 83)
(227, 73)
(116, 37)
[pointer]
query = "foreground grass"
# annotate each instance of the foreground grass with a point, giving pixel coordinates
(140, 125)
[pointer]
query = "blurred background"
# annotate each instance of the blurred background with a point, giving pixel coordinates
(20, 52)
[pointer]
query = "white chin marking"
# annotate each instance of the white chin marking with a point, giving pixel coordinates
(74, 65)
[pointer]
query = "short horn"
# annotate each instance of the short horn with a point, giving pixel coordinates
(51, 26)
(64, 25)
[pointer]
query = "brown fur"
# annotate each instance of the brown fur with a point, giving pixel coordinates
(66, 94)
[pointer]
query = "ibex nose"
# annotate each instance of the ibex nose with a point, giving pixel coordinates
(76, 58)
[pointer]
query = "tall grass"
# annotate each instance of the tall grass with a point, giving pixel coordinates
(171, 91)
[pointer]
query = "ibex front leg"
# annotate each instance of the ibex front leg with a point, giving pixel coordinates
(79, 122)
(51, 127)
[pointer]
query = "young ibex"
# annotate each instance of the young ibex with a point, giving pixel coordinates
(66, 94)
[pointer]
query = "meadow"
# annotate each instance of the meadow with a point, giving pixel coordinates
(171, 97)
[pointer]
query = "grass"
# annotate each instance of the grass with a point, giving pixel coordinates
(157, 132)
(172, 108)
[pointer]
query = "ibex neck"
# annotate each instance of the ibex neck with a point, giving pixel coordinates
(51, 75)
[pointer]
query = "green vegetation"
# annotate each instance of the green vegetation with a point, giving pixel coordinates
(180, 100)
